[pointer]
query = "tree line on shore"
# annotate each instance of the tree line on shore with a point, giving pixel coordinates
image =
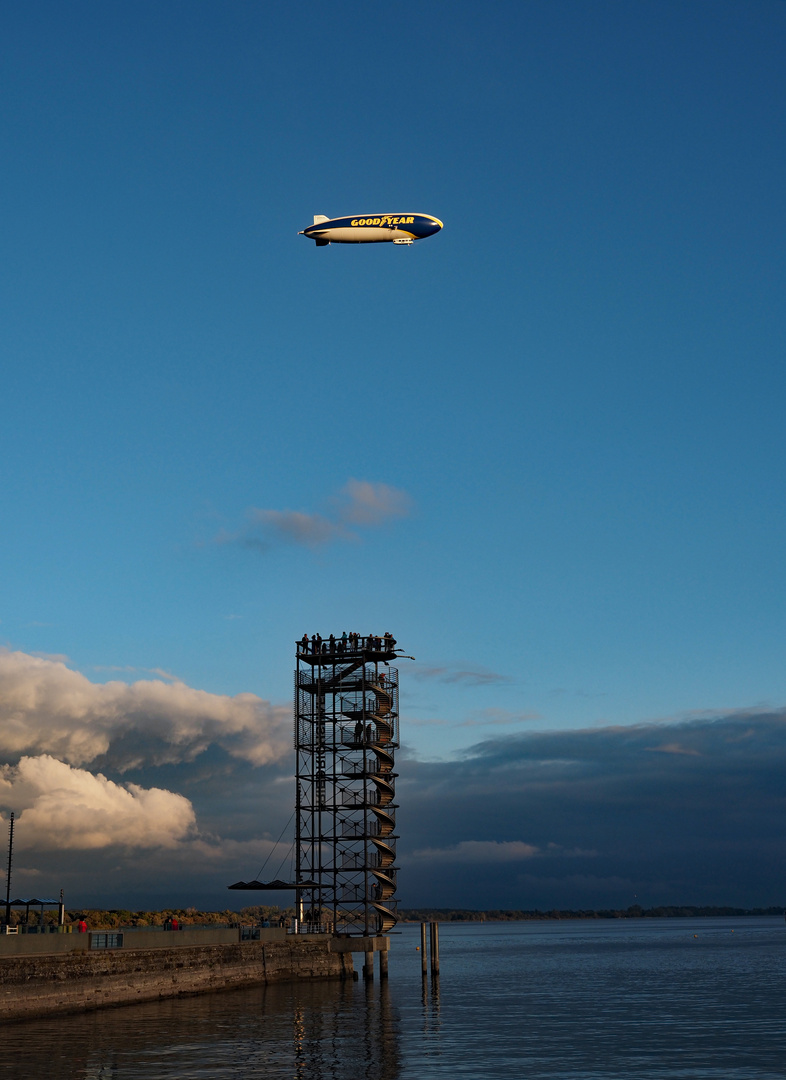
(635, 911)
(117, 918)
(122, 918)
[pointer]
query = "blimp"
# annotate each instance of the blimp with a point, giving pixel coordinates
(372, 229)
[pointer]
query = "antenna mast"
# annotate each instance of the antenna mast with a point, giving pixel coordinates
(8, 874)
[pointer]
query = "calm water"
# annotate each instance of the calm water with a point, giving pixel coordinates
(639, 999)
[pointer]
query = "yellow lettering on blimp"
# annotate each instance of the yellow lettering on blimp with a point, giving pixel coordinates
(382, 221)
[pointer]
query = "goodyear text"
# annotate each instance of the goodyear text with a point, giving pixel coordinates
(383, 221)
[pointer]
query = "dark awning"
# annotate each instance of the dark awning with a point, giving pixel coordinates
(35, 900)
(273, 886)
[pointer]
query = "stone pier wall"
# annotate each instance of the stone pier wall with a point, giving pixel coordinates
(33, 985)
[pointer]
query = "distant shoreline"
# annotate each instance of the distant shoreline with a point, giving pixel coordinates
(264, 914)
(416, 915)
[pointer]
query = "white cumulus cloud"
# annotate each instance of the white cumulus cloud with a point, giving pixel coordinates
(59, 808)
(46, 708)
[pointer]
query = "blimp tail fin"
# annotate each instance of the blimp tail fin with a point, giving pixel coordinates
(320, 217)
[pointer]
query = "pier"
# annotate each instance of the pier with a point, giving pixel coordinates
(58, 973)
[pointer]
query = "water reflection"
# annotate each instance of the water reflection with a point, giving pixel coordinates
(318, 1031)
(356, 1034)
(644, 999)
(431, 1023)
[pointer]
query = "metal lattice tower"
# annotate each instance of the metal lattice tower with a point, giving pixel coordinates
(346, 734)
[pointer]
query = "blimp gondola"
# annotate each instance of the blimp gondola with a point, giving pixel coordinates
(371, 229)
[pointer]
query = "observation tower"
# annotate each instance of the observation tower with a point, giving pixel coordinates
(346, 735)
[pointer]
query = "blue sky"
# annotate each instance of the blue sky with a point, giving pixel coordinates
(543, 448)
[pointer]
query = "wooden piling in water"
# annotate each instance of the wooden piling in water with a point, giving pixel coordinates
(423, 961)
(435, 948)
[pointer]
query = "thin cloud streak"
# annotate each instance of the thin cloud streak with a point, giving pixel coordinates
(480, 851)
(496, 717)
(457, 674)
(672, 748)
(479, 718)
(360, 505)
(366, 504)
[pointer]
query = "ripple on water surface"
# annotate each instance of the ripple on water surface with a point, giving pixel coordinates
(624, 1000)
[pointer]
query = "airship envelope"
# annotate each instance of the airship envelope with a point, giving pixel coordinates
(372, 229)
